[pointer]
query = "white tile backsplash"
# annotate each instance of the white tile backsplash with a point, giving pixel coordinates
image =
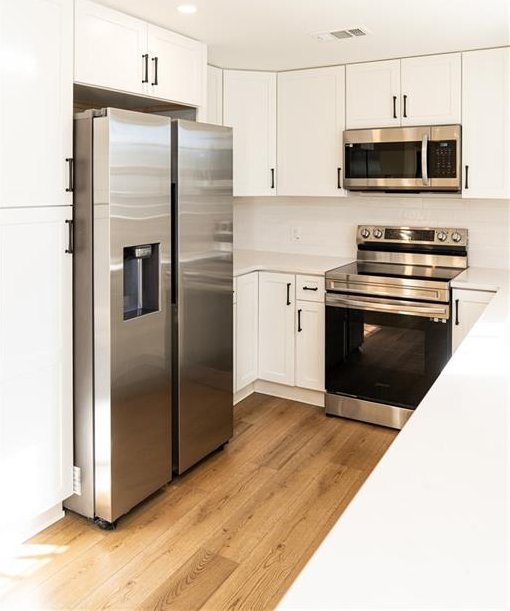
(327, 226)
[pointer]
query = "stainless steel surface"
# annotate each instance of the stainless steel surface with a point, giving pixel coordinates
(393, 306)
(413, 259)
(389, 134)
(203, 360)
(390, 287)
(367, 411)
(424, 168)
(366, 233)
(130, 441)
(425, 134)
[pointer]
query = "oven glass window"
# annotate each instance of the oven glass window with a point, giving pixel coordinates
(387, 358)
(383, 160)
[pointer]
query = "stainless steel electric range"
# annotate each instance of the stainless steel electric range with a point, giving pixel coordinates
(388, 321)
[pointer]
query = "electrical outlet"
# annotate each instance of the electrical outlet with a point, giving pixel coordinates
(296, 233)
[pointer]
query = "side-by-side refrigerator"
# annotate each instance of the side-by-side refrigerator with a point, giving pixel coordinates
(202, 215)
(152, 304)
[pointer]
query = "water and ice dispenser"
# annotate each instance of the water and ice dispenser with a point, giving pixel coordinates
(141, 280)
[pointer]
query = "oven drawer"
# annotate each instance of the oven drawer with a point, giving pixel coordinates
(310, 288)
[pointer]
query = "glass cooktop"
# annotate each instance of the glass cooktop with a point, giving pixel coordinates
(394, 270)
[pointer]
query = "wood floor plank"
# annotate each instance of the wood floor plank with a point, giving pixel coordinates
(230, 534)
(193, 584)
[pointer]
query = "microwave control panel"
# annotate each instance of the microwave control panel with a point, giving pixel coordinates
(443, 159)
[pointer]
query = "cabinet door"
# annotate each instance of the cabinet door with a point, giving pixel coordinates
(311, 120)
(110, 48)
(36, 102)
(310, 345)
(373, 94)
(36, 402)
(249, 106)
(467, 308)
(246, 332)
(214, 95)
(486, 123)
(177, 67)
(431, 89)
(276, 327)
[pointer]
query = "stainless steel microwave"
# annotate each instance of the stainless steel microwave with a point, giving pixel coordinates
(403, 159)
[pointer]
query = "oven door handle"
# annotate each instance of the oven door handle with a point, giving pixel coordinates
(404, 307)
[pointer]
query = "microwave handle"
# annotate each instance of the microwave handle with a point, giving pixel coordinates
(424, 166)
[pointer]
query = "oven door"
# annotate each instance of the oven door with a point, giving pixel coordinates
(385, 350)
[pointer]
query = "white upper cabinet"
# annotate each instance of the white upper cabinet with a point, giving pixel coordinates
(177, 67)
(116, 51)
(311, 119)
(276, 327)
(411, 91)
(486, 123)
(214, 110)
(36, 361)
(431, 89)
(373, 94)
(36, 102)
(110, 48)
(249, 106)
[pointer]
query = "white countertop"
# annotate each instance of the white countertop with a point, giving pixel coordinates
(246, 261)
(429, 528)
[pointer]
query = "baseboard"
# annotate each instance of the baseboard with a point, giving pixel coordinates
(21, 532)
(294, 393)
(244, 392)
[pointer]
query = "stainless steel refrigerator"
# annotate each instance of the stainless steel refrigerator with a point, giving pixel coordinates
(122, 311)
(202, 213)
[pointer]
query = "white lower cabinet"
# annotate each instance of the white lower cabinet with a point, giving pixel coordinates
(468, 305)
(246, 313)
(310, 345)
(276, 327)
(36, 397)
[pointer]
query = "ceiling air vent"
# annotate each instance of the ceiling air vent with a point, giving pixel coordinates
(341, 34)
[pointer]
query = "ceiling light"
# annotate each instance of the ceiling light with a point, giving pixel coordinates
(187, 9)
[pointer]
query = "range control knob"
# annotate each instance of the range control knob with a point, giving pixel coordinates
(442, 235)
(365, 233)
(377, 233)
(456, 237)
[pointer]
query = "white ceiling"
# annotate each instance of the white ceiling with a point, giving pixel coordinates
(275, 34)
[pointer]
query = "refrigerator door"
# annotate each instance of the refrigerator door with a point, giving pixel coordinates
(202, 209)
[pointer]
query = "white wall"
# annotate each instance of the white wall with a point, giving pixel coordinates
(326, 226)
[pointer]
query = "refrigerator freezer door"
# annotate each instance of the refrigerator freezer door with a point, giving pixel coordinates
(203, 342)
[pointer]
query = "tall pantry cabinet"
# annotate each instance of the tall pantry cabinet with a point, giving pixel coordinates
(36, 85)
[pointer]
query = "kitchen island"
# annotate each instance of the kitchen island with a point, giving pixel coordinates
(429, 528)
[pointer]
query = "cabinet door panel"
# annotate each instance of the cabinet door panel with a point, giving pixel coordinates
(432, 85)
(214, 95)
(311, 120)
(181, 67)
(36, 403)
(36, 101)
(246, 332)
(373, 94)
(249, 106)
(486, 123)
(310, 345)
(276, 327)
(468, 306)
(109, 48)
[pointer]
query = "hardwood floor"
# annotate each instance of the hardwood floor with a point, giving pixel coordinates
(233, 533)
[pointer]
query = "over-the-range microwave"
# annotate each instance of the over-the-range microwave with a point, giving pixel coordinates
(403, 159)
